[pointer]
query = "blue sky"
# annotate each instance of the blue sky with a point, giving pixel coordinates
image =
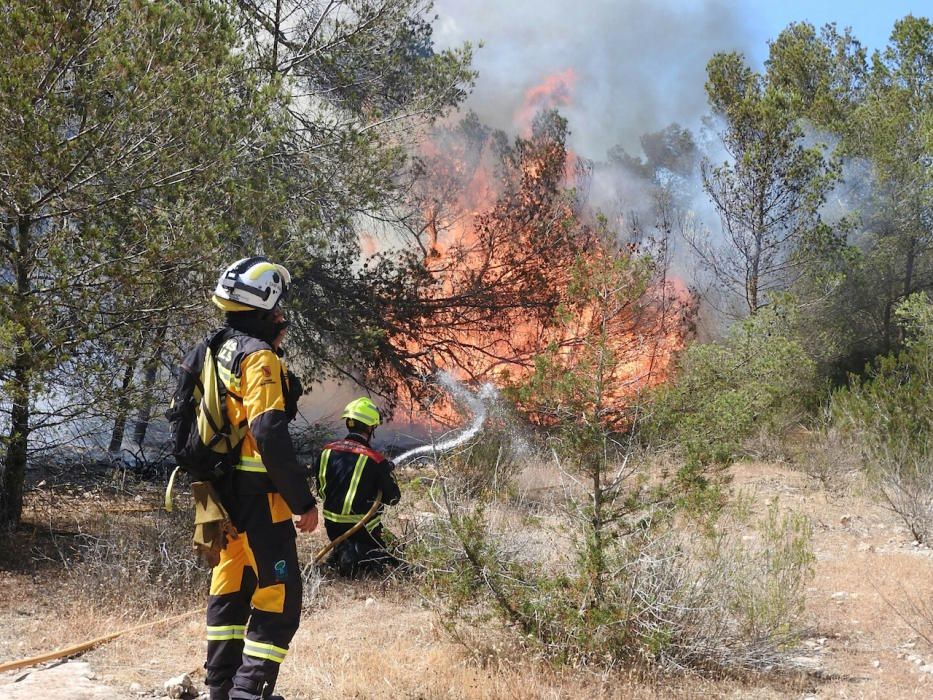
(637, 65)
(871, 22)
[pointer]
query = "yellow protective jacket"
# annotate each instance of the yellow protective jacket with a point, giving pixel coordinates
(257, 384)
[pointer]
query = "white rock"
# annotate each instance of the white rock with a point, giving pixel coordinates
(926, 668)
(179, 687)
(136, 688)
(807, 661)
(370, 602)
(876, 664)
(839, 595)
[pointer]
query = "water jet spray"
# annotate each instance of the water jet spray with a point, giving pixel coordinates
(476, 402)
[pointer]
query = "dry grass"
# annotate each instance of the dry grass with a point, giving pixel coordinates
(380, 640)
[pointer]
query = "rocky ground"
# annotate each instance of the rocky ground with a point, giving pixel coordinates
(870, 607)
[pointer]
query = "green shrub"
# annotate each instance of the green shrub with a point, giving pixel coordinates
(889, 414)
(727, 598)
(758, 378)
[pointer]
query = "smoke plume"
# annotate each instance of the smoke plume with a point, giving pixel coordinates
(632, 66)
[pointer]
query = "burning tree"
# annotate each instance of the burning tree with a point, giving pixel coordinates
(502, 270)
(482, 280)
(504, 233)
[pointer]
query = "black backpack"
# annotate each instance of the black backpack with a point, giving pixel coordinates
(204, 443)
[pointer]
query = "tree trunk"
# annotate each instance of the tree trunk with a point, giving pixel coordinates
(119, 423)
(753, 270)
(888, 318)
(14, 472)
(751, 288)
(14, 464)
(909, 266)
(149, 377)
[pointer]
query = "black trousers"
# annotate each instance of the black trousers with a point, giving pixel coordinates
(255, 601)
(362, 553)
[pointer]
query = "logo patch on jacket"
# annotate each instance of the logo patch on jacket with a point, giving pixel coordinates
(281, 570)
(266, 371)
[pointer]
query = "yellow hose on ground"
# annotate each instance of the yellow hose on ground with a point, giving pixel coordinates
(69, 651)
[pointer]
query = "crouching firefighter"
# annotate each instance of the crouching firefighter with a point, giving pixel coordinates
(349, 477)
(255, 596)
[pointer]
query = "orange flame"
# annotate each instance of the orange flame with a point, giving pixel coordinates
(556, 90)
(462, 240)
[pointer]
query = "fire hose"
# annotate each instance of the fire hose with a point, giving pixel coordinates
(85, 646)
(352, 531)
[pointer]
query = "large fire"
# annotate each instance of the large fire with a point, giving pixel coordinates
(503, 242)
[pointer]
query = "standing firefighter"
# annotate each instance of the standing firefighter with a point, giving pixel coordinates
(350, 475)
(255, 597)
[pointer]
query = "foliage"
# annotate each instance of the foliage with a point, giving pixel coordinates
(573, 384)
(611, 327)
(890, 413)
(768, 194)
(123, 124)
(878, 111)
(366, 84)
(669, 153)
(151, 143)
(758, 377)
(727, 598)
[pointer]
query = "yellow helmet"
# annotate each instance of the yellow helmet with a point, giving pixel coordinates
(364, 411)
(251, 283)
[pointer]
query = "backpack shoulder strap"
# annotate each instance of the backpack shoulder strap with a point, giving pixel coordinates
(224, 430)
(356, 448)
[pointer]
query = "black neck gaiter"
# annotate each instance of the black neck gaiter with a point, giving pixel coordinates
(258, 324)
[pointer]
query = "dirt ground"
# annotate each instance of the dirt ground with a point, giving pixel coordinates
(867, 606)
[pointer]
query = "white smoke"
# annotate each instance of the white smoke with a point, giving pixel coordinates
(638, 64)
(477, 403)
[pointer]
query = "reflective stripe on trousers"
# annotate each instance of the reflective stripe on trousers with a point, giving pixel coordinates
(260, 650)
(219, 633)
(251, 464)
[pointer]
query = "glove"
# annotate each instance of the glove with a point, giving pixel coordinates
(212, 525)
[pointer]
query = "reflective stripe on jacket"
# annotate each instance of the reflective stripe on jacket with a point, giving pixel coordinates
(257, 382)
(349, 475)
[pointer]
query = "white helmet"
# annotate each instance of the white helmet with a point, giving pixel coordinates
(251, 283)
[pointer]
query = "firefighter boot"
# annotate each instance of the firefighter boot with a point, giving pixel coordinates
(249, 690)
(221, 692)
